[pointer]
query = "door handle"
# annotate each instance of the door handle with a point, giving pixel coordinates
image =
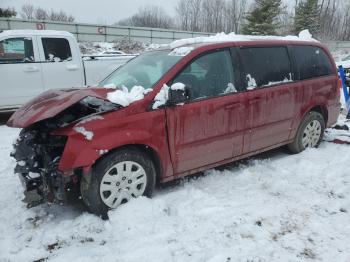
(72, 67)
(31, 69)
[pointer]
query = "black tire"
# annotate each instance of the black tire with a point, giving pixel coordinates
(90, 185)
(297, 145)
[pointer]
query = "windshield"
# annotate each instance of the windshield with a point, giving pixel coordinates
(145, 70)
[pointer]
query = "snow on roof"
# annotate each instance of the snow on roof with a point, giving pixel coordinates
(29, 32)
(232, 37)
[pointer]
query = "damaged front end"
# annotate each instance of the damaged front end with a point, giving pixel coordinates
(38, 153)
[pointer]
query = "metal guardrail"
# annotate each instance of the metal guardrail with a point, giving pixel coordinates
(101, 33)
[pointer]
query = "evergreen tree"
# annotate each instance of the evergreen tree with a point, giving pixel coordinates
(7, 12)
(263, 19)
(307, 15)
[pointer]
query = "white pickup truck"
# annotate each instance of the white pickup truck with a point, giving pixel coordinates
(32, 62)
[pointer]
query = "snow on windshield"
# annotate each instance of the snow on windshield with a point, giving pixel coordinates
(124, 97)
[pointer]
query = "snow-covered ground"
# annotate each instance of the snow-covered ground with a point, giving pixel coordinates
(101, 48)
(276, 207)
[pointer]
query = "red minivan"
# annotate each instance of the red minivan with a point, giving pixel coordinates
(196, 107)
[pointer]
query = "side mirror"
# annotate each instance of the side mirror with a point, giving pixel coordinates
(178, 93)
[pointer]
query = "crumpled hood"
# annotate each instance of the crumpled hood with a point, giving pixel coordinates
(51, 103)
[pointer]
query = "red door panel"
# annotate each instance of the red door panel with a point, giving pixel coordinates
(206, 132)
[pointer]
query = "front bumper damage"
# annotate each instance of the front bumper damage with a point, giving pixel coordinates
(38, 154)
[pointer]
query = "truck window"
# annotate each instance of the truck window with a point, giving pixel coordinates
(209, 75)
(16, 50)
(265, 66)
(312, 62)
(56, 50)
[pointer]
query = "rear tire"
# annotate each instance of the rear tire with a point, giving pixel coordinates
(309, 134)
(117, 178)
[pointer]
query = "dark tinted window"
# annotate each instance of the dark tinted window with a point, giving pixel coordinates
(312, 62)
(265, 66)
(16, 50)
(56, 49)
(209, 75)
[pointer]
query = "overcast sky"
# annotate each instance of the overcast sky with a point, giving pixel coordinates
(94, 11)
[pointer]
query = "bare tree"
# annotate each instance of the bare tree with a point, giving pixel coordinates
(27, 11)
(234, 15)
(149, 16)
(183, 14)
(60, 16)
(30, 12)
(210, 15)
(41, 14)
(189, 14)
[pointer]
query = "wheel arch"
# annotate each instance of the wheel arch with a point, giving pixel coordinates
(319, 108)
(322, 110)
(146, 149)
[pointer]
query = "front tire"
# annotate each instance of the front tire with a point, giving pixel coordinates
(117, 178)
(309, 134)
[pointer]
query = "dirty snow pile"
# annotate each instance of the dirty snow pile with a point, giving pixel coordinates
(103, 48)
(341, 132)
(275, 207)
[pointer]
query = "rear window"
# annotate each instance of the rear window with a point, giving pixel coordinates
(265, 66)
(56, 50)
(312, 62)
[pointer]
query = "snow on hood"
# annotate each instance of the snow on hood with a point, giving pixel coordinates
(124, 97)
(233, 37)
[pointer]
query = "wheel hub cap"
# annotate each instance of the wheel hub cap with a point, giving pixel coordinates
(312, 134)
(123, 181)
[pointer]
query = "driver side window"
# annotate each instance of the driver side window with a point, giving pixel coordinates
(209, 75)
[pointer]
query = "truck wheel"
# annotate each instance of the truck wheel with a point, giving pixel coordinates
(117, 178)
(309, 134)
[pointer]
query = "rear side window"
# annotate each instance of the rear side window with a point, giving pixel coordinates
(312, 62)
(56, 50)
(265, 66)
(16, 50)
